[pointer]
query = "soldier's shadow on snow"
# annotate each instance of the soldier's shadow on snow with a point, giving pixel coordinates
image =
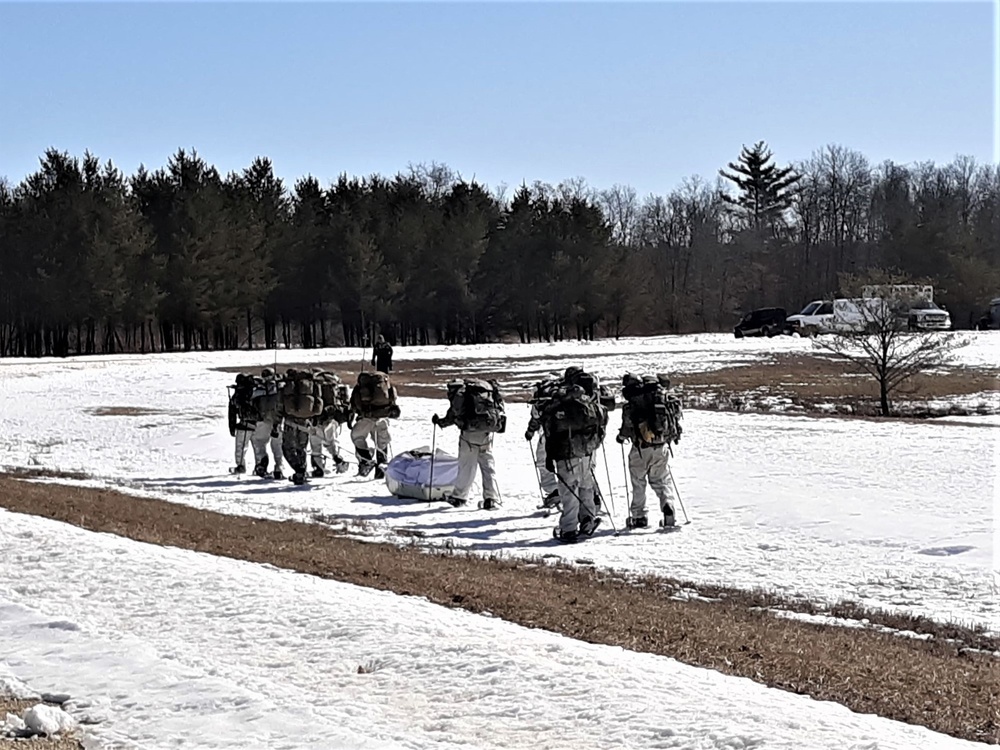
(483, 528)
(396, 507)
(193, 483)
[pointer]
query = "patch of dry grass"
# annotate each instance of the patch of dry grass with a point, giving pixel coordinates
(808, 381)
(944, 686)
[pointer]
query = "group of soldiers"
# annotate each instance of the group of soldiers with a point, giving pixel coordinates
(570, 413)
(304, 410)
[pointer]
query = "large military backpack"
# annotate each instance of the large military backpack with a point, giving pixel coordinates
(301, 395)
(243, 397)
(574, 423)
(588, 381)
(655, 412)
(477, 405)
(374, 395)
(336, 396)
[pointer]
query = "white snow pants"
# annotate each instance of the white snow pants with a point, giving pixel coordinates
(475, 449)
(576, 490)
(650, 463)
(260, 438)
(324, 436)
(546, 479)
(378, 429)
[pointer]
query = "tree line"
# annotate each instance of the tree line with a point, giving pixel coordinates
(181, 258)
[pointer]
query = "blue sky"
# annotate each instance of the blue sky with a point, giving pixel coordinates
(643, 94)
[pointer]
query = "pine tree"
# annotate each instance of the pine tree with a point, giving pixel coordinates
(765, 190)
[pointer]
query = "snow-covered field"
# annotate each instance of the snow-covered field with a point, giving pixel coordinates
(169, 648)
(182, 646)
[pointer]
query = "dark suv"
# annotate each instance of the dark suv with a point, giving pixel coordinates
(767, 321)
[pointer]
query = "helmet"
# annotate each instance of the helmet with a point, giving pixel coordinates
(628, 378)
(572, 372)
(267, 372)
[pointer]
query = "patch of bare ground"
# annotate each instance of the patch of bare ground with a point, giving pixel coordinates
(945, 686)
(123, 411)
(9, 705)
(818, 384)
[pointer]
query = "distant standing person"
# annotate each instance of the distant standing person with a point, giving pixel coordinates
(382, 355)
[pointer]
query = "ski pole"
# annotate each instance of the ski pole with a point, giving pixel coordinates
(607, 470)
(677, 492)
(430, 485)
(538, 475)
(628, 477)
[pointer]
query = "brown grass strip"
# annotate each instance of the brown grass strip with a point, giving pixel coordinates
(930, 683)
(809, 381)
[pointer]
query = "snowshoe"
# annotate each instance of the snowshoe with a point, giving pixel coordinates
(238, 469)
(669, 521)
(566, 537)
(456, 502)
(299, 477)
(551, 501)
(638, 522)
(278, 474)
(365, 467)
(489, 504)
(588, 527)
(318, 473)
(342, 465)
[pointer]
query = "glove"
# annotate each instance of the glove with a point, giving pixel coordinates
(621, 439)
(435, 419)
(528, 435)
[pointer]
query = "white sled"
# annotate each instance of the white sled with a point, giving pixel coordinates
(409, 474)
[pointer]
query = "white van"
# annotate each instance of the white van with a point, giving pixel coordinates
(816, 317)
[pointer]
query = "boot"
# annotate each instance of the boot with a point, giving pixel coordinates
(379, 471)
(365, 462)
(566, 537)
(299, 477)
(637, 522)
(278, 474)
(456, 502)
(238, 469)
(341, 464)
(317, 463)
(551, 500)
(589, 526)
(669, 520)
(261, 468)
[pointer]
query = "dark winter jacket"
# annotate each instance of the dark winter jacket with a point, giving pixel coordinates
(382, 357)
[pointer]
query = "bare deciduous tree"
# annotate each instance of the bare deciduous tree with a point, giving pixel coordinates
(880, 344)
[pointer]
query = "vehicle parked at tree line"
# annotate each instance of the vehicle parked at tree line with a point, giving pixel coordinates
(767, 321)
(991, 320)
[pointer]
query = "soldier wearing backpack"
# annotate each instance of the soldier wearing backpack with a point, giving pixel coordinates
(326, 427)
(254, 421)
(547, 482)
(373, 401)
(477, 409)
(301, 404)
(574, 422)
(651, 422)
